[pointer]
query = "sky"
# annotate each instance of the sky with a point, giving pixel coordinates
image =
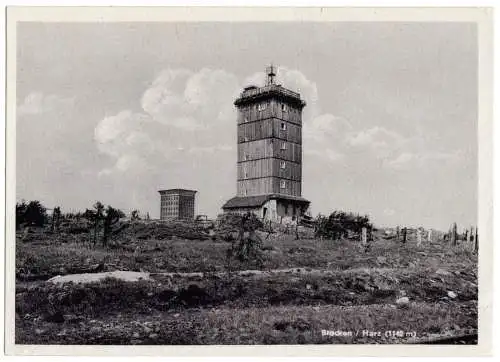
(117, 111)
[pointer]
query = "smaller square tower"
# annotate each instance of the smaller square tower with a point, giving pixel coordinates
(177, 204)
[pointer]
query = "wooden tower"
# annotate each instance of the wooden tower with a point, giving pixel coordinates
(269, 161)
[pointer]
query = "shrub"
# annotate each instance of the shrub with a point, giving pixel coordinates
(33, 213)
(340, 224)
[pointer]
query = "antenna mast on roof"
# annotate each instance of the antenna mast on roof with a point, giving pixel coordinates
(271, 73)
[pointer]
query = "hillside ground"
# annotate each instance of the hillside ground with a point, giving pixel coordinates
(307, 290)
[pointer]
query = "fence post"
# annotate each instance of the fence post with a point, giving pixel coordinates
(404, 234)
(454, 234)
(476, 242)
(363, 236)
(419, 237)
(429, 236)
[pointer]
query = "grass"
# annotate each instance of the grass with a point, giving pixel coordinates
(56, 257)
(265, 325)
(333, 286)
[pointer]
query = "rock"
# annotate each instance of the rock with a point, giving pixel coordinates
(147, 329)
(403, 301)
(452, 295)
(402, 293)
(39, 331)
(308, 286)
(153, 335)
(135, 335)
(442, 272)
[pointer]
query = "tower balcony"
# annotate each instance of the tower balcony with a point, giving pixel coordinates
(252, 93)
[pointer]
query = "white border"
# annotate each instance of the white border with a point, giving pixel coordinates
(483, 17)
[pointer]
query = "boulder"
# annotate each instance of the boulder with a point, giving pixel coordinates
(403, 301)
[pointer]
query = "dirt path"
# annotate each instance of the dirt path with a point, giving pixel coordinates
(93, 277)
(135, 276)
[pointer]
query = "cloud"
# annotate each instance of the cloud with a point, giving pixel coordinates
(38, 103)
(186, 130)
(376, 137)
(191, 100)
(319, 129)
(296, 81)
(410, 160)
(187, 113)
(326, 126)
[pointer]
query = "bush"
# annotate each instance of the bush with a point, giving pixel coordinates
(247, 247)
(340, 224)
(33, 213)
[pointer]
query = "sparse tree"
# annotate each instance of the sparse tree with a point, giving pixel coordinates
(247, 248)
(20, 213)
(111, 218)
(134, 215)
(34, 213)
(56, 218)
(98, 216)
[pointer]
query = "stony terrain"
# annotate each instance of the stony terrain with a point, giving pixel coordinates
(185, 295)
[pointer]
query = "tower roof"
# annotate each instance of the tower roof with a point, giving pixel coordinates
(252, 94)
(176, 191)
(259, 200)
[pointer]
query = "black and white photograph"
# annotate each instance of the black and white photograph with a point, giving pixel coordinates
(255, 182)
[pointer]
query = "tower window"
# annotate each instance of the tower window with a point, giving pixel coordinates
(284, 108)
(283, 165)
(261, 107)
(283, 126)
(283, 184)
(283, 145)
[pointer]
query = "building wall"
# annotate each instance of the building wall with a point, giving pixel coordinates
(268, 185)
(272, 108)
(186, 207)
(270, 147)
(177, 205)
(267, 128)
(169, 206)
(282, 211)
(269, 135)
(269, 167)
